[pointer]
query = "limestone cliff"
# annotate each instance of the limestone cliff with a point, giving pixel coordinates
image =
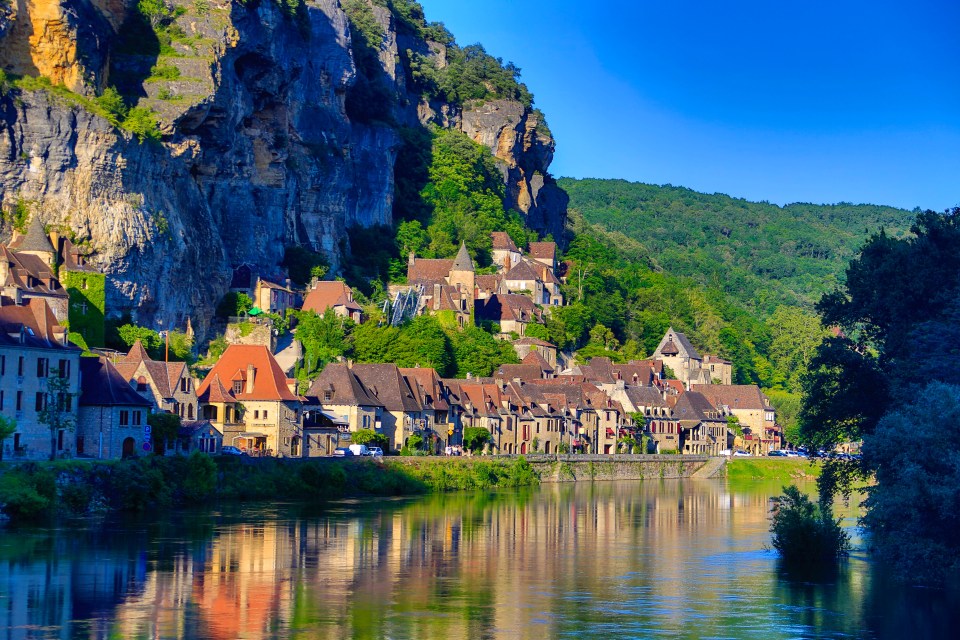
(258, 150)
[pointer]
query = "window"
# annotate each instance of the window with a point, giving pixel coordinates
(40, 401)
(184, 385)
(327, 396)
(189, 412)
(141, 383)
(19, 400)
(64, 369)
(238, 386)
(60, 440)
(136, 417)
(43, 367)
(20, 366)
(265, 415)
(124, 418)
(3, 365)
(256, 414)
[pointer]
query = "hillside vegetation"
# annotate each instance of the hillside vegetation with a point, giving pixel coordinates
(761, 254)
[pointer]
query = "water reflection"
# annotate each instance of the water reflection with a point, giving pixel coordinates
(677, 559)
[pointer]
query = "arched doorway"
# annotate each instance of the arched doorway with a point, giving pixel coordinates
(523, 448)
(128, 446)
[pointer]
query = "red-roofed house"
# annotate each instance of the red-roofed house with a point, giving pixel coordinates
(168, 385)
(251, 401)
(334, 295)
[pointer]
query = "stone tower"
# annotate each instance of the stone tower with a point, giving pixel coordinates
(463, 276)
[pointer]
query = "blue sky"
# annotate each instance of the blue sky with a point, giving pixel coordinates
(840, 101)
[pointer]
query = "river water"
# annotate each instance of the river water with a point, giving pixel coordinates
(677, 559)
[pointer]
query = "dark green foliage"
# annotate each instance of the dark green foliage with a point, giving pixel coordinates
(759, 254)
(913, 511)
(371, 97)
(478, 353)
(163, 430)
(472, 74)
(324, 339)
(234, 305)
(805, 535)
(130, 333)
(302, 265)
(370, 437)
(474, 438)
(87, 305)
(27, 493)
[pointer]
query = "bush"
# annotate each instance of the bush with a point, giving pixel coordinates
(803, 533)
(475, 437)
(371, 437)
(28, 493)
(200, 480)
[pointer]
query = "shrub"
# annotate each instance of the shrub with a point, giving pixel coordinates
(200, 480)
(803, 533)
(371, 437)
(28, 493)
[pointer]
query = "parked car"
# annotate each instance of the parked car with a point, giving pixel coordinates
(740, 453)
(342, 452)
(727, 452)
(376, 452)
(232, 451)
(792, 454)
(777, 453)
(359, 449)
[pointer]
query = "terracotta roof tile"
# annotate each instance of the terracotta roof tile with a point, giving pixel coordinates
(329, 295)
(269, 382)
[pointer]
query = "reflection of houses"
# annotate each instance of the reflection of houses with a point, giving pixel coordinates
(33, 348)
(334, 295)
(753, 410)
(341, 398)
(112, 420)
(167, 385)
(249, 399)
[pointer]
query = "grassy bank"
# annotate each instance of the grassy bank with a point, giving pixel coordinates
(36, 491)
(780, 469)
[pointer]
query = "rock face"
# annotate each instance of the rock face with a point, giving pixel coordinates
(258, 151)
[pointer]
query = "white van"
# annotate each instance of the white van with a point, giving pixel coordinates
(359, 450)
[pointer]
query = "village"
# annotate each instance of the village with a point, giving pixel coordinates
(72, 403)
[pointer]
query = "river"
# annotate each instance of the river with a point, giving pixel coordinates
(677, 559)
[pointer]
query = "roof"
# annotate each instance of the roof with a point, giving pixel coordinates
(462, 262)
(669, 349)
(518, 372)
(505, 306)
(329, 295)
(191, 428)
(521, 271)
(165, 375)
(734, 396)
(388, 386)
(35, 239)
(534, 358)
(536, 342)
(428, 271)
(101, 385)
(267, 284)
(543, 250)
(695, 406)
(74, 258)
(344, 388)
(503, 242)
(681, 342)
(269, 382)
(489, 282)
(645, 397)
(216, 392)
(31, 274)
(32, 325)
(432, 393)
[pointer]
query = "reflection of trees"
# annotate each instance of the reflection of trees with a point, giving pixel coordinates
(618, 559)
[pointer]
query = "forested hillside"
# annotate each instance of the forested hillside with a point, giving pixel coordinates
(761, 254)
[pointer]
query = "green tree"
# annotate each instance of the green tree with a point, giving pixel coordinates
(324, 338)
(474, 439)
(8, 426)
(370, 437)
(478, 353)
(130, 333)
(163, 430)
(795, 336)
(57, 412)
(234, 304)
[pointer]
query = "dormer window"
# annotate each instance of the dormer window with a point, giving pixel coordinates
(238, 386)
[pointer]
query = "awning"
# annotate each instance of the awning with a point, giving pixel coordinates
(249, 434)
(335, 419)
(255, 311)
(610, 433)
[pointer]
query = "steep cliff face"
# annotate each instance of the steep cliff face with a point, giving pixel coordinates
(258, 150)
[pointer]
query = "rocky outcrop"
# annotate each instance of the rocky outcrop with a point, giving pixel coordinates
(258, 151)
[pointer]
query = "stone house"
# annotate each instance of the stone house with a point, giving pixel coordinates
(248, 398)
(336, 295)
(703, 427)
(755, 413)
(434, 398)
(33, 348)
(512, 312)
(112, 420)
(524, 346)
(504, 251)
(272, 297)
(446, 284)
(339, 395)
(676, 352)
(168, 385)
(721, 371)
(198, 435)
(402, 413)
(27, 271)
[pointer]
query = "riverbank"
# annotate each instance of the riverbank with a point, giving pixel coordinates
(787, 470)
(38, 490)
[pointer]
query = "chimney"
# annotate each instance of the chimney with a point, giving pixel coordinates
(287, 283)
(251, 372)
(436, 297)
(411, 259)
